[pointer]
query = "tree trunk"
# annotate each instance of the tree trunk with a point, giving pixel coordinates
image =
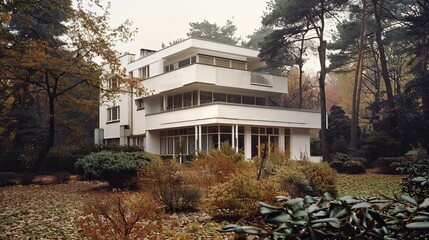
(50, 139)
(300, 65)
(358, 82)
(323, 135)
(378, 8)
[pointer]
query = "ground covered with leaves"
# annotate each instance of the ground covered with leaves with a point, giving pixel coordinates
(50, 211)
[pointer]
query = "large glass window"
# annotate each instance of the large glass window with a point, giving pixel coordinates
(219, 97)
(178, 101)
(249, 100)
(205, 97)
(264, 139)
(238, 65)
(222, 62)
(206, 60)
(187, 99)
(234, 98)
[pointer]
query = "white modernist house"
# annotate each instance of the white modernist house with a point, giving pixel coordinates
(203, 93)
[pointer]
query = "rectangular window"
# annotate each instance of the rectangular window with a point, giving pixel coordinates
(261, 101)
(205, 97)
(170, 102)
(144, 72)
(140, 104)
(187, 99)
(249, 100)
(113, 114)
(193, 59)
(234, 98)
(238, 65)
(222, 62)
(178, 101)
(195, 98)
(219, 97)
(184, 63)
(206, 60)
(113, 83)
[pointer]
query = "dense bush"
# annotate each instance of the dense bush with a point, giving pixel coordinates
(380, 144)
(120, 216)
(167, 181)
(416, 183)
(63, 158)
(293, 181)
(328, 218)
(118, 168)
(390, 165)
(237, 198)
(353, 167)
(337, 165)
(341, 157)
(321, 176)
(343, 163)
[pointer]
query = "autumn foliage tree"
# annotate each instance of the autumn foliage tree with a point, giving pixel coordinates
(60, 52)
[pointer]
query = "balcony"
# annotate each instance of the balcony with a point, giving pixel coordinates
(228, 113)
(224, 77)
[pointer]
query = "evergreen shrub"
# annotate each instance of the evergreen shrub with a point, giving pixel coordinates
(117, 168)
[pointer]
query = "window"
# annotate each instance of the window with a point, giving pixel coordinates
(184, 63)
(222, 62)
(170, 102)
(248, 100)
(219, 97)
(234, 98)
(113, 114)
(261, 101)
(206, 60)
(205, 97)
(238, 65)
(178, 101)
(144, 72)
(187, 99)
(140, 104)
(113, 83)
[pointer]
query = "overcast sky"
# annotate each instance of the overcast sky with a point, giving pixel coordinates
(161, 21)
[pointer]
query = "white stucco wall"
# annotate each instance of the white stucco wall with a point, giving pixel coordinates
(300, 143)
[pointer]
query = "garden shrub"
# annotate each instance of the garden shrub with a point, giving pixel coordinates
(63, 158)
(321, 176)
(121, 216)
(341, 157)
(272, 162)
(353, 167)
(336, 165)
(416, 183)
(327, 218)
(119, 169)
(167, 182)
(390, 165)
(380, 144)
(237, 198)
(293, 181)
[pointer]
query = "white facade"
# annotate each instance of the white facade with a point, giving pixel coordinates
(202, 93)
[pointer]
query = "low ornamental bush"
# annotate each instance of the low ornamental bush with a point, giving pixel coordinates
(390, 165)
(342, 157)
(321, 177)
(353, 167)
(120, 215)
(117, 168)
(293, 181)
(327, 218)
(336, 165)
(166, 181)
(237, 198)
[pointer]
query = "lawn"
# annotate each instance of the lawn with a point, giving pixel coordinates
(49, 211)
